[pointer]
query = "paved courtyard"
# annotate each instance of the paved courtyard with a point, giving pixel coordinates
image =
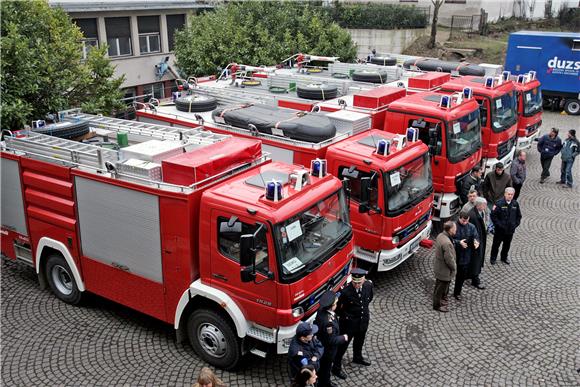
(523, 330)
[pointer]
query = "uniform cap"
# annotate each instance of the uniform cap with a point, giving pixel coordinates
(327, 299)
(305, 329)
(358, 274)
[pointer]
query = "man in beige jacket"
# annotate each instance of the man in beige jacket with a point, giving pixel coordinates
(444, 266)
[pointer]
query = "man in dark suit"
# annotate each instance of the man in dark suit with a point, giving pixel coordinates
(477, 217)
(354, 317)
(329, 335)
(506, 217)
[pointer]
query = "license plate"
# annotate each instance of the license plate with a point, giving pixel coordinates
(414, 246)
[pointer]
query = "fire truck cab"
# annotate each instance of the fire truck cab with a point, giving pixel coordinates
(449, 124)
(497, 98)
(196, 229)
(529, 109)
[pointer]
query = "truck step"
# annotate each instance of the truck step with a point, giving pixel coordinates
(23, 255)
(258, 352)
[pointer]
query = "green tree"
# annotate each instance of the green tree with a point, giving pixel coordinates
(42, 69)
(258, 33)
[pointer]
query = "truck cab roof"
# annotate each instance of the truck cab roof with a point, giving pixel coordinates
(363, 147)
(248, 190)
(427, 104)
(477, 84)
(548, 33)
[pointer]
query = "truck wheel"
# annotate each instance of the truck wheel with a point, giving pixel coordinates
(213, 339)
(61, 280)
(572, 107)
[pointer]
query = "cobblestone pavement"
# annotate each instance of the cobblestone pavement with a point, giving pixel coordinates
(521, 331)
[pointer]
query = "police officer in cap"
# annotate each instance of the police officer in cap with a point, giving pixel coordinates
(305, 349)
(329, 335)
(353, 313)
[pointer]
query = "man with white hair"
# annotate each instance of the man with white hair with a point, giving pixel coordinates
(506, 217)
(478, 217)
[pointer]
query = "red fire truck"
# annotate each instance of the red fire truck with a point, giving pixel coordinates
(529, 109)
(197, 229)
(388, 230)
(450, 125)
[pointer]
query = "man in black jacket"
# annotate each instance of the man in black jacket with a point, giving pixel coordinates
(329, 334)
(354, 317)
(305, 349)
(471, 182)
(506, 217)
(477, 217)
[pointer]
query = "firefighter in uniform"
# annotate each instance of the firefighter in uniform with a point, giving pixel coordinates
(329, 335)
(353, 314)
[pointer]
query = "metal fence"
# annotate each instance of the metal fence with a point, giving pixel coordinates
(468, 26)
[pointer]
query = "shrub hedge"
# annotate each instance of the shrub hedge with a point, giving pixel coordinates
(378, 16)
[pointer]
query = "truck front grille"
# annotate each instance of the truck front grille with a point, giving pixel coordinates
(505, 147)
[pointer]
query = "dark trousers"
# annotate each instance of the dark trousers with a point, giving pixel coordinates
(358, 339)
(546, 162)
(460, 277)
(441, 290)
(500, 238)
(326, 366)
(518, 188)
(476, 264)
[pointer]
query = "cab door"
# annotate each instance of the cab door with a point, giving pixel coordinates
(367, 225)
(259, 296)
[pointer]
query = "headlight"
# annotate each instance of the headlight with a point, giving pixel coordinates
(297, 312)
(395, 240)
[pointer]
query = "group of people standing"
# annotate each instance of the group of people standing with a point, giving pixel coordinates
(490, 206)
(317, 349)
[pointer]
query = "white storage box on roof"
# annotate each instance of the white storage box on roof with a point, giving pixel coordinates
(140, 168)
(347, 121)
(153, 150)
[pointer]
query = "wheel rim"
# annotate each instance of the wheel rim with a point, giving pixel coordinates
(212, 340)
(574, 107)
(62, 280)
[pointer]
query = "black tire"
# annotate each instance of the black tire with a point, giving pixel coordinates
(216, 330)
(61, 281)
(195, 103)
(372, 76)
(317, 91)
(65, 129)
(572, 107)
(445, 66)
(384, 61)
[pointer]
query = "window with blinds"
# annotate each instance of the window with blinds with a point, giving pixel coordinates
(149, 36)
(118, 36)
(91, 36)
(174, 23)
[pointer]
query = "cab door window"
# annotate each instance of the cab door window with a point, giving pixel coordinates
(230, 232)
(424, 128)
(354, 176)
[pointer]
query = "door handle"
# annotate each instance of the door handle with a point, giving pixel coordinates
(119, 266)
(220, 276)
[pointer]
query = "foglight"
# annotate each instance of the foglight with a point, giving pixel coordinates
(395, 240)
(297, 312)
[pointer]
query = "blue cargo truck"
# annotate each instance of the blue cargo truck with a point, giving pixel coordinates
(555, 57)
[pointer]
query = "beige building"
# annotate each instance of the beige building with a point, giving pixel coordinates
(139, 34)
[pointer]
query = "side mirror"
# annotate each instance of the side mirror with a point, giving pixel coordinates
(432, 141)
(247, 274)
(346, 188)
(247, 251)
(365, 194)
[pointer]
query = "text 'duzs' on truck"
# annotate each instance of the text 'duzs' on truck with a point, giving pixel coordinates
(199, 230)
(555, 58)
(497, 98)
(383, 236)
(450, 125)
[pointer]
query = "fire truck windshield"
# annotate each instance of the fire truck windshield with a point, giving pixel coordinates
(532, 101)
(503, 112)
(308, 239)
(463, 137)
(408, 185)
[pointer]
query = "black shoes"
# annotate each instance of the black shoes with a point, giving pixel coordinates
(506, 261)
(339, 374)
(492, 261)
(362, 361)
(480, 286)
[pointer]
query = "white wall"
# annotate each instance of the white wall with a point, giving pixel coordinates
(393, 41)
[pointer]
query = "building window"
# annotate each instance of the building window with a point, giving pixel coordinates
(91, 37)
(174, 23)
(154, 90)
(118, 36)
(149, 37)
